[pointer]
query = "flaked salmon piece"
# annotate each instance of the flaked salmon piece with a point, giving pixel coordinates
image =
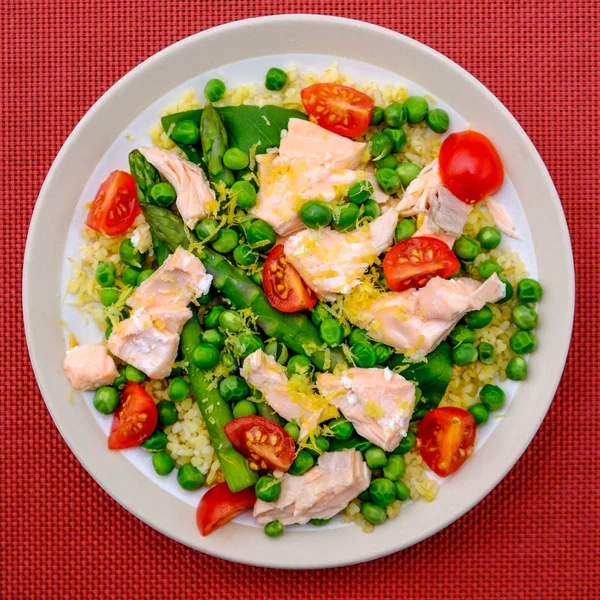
(502, 219)
(146, 344)
(141, 238)
(321, 493)
(332, 262)
(89, 367)
(172, 319)
(415, 199)
(179, 280)
(266, 375)
(416, 321)
(378, 402)
(196, 200)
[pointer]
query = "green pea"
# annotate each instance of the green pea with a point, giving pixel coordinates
(179, 389)
(381, 145)
(489, 237)
(529, 291)
(405, 229)
(438, 120)
(299, 365)
(246, 343)
(516, 369)
(319, 522)
(416, 109)
(225, 240)
(382, 353)
(206, 228)
(488, 267)
(480, 413)
(375, 458)
(236, 159)
(133, 374)
(163, 464)
(364, 496)
(293, 430)
(462, 334)
(321, 446)
(466, 247)
(395, 467)
(382, 491)
(406, 444)
(398, 139)
(478, 319)
(377, 116)
(106, 274)
(190, 478)
(319, 313)
(346, 217)
(363, 355)
(342, 428)
(226, 177)
(108, 296)
(372, 513)
(302, 463)
(145, 274)
(106, 400)
(130, 276)
(214, 337)
(278, 351)
(358, 336)
(274, 529)
(524, 317)
(464, 354)
(214, 90)
(360, 191)
(389, 162)
(316, 214)
(129, 255)
(163, 193)
(402, 491)
(230, 320)
(244, 408)
(276, 79)
(492, 396)
(108, 331)
(211, 318)
(177, 372)
(523, 342)
(332, 333)
(509, 291)
(388, 180)
(371, 210)
(261, 236)
(267, 488)
(257, 278)
(121, 381)
(407, 171)
(395, 114)
(244, 256)
(186, 132)
(229, 361)
(167, 413)
(156, 442)
(245, 194)
(487, 353)
(233, 388)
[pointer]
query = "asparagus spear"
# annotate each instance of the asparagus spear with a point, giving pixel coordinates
(144, 173)
(295, 330)
(213, 138)
(216, 414)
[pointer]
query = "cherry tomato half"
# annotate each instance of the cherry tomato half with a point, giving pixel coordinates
(338, 108)
(446, 438)
(470, 166)
(220, 505)
(413, 262)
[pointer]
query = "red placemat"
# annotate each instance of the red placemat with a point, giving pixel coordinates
(535, 536)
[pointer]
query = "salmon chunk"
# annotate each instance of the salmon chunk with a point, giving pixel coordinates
(196, 200)
(416, 321)
(321, 493)
(89, 367)
(332, 262)
(502, 219)
(377, 402)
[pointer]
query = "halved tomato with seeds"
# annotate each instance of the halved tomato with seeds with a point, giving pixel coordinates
(265, 444)
(413, 262)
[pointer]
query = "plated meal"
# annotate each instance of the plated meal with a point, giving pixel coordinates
(308, 299)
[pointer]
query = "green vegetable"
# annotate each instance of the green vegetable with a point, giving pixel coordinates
(377, 116)
(213, 138)
(332, 333)
(489, 237)
(319, 522)
(230, 320)
(353, 442)
(245, 194)
(163, 464)
(257, 278)
(388, 180)
(487, 353)
(346, 217)
(278, 351)
(274, 529)
(211, 319)
(145, 175)
(160, 251)
(488, 267)
(129, 255)
(319, 313)
(364, 355)
(524, 317)
(321, 445)
(382, 491)
(509, 291)
(372, 513)
(407, 171)
(358, 336)
(406, 444)
(133, 374)
(523, 342)
(395, 467)
(178, 390)
(492, 396)
(405, 229)
(416, 109)
(360, 191)
(244, 408)
(185, 132)
(121, 381)
(190, 478)
(395, 114)
(206, 228)
(464, 354)
(389, 162)
(382, 353)
(229, 361)
(236, 159)
(233, 387)
(167, 413)
(342, 428)
(302, 463)
(402, 491)
(130, 276)
(466, 247)
(375, 458)
(214, 90)
(267, 488)
(381, 145)
(316, 214)
(478, 319)
(299, 365)
(529, 291)
(438, 120)
(247, 343)
(261, 236)
(276, 79)
(106, 400)
(244, 256)
(106, 274)
(156, 442)
(480, 413)
(145, 274)
(214, 337)
(225, 240)
(371, 210)
(398, 139)
(462, 334)
(516, 369)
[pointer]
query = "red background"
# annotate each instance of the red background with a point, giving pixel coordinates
(535, 536)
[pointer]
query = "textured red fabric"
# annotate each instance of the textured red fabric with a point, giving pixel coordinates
(535, 536)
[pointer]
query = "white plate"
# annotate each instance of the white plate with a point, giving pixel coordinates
(241, 53)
